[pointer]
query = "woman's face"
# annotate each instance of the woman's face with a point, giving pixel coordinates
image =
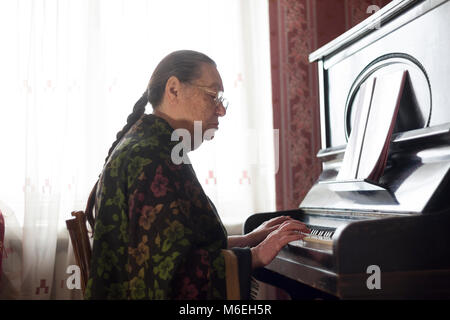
(199, 97)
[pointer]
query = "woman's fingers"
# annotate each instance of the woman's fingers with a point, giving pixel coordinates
(284, 240)
(260, 233)
(285, 222)
(294, 225)
(276, 221)
(288, 231)
(280, 219)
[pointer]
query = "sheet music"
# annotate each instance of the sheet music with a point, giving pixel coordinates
(380, 124)
(352, 154)
(376, 112)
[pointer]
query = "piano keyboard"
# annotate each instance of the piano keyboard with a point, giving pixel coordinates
(321, 235)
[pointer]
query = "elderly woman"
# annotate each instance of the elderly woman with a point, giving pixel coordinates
(157, 235)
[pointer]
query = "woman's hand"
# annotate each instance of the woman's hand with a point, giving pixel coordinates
(266, 251)
(260, 233)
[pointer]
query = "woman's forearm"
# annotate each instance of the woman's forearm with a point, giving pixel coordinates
(238, 241)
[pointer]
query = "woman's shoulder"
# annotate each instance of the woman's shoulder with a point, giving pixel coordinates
(151, 134)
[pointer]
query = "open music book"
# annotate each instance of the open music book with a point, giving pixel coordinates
(376, 112)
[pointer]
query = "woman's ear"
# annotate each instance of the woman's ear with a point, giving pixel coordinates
(172, 90)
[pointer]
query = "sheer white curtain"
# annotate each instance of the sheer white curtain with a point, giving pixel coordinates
(71, 71)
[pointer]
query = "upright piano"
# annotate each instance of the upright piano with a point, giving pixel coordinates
(391, 241)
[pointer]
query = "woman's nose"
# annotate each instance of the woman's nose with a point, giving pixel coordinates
(221, 111)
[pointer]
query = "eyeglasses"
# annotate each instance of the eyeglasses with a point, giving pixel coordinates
(219, 99)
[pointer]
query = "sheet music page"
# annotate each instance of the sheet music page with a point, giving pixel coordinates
(352, 154)
(380, 124)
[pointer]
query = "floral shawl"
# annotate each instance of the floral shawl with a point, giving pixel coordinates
(157, 235)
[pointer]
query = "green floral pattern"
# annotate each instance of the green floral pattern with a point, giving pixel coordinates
(157, 236)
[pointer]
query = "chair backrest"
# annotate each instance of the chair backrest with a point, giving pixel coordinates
(81, 245)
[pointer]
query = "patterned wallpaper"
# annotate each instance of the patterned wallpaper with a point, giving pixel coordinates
(297, 28)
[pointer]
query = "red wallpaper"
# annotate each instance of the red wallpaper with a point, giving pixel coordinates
(297, 28)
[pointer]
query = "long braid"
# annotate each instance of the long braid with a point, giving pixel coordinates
(138, 111)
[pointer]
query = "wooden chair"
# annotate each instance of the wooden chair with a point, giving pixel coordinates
(81, 245)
